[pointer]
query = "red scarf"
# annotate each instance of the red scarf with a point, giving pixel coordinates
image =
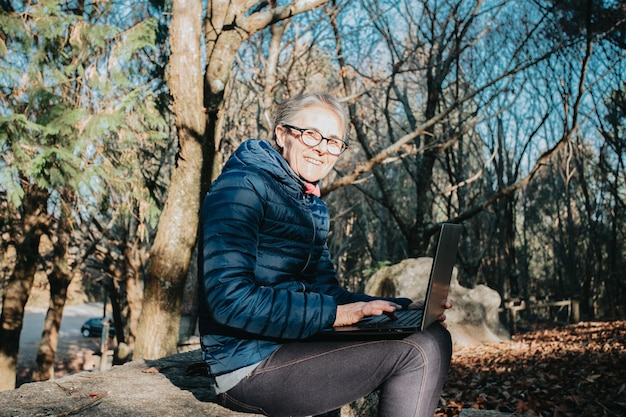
(310, 188)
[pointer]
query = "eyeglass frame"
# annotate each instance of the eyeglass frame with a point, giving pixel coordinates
(316, 133)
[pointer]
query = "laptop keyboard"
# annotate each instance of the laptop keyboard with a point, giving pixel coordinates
(404, 318)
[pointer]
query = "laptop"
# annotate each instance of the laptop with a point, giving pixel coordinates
(411, 321)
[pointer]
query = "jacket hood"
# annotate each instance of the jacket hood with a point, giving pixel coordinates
(259, 154)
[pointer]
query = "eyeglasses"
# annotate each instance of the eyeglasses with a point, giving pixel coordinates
(312, 138)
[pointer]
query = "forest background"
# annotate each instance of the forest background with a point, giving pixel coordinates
(507, 116)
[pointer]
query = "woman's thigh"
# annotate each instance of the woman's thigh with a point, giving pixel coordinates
(309, 378)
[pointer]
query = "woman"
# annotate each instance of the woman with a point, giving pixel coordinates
(268, 285)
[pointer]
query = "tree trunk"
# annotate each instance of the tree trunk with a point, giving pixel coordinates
(134, 296)
(19, 284)
(59, 279)
(158, 327)
(46, 354)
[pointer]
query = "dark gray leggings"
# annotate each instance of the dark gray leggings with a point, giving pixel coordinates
(309, 378)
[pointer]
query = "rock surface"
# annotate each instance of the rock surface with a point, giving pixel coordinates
(474, 316)
(144, 388)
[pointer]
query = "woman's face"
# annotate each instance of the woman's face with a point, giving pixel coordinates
(311, 164)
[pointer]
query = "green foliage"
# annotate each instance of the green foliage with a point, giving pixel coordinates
(12, 154)
(53, 166)
(77, 111)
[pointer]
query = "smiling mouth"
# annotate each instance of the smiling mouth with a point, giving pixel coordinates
(313, 161)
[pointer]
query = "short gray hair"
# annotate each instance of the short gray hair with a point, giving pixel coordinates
(288, 109)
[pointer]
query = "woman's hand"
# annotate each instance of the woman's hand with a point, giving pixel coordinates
(351, 313)
(416, 305)
(419, 305)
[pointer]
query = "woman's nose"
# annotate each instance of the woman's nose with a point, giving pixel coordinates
(322, 147)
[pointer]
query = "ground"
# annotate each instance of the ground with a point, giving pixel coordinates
(569, 371)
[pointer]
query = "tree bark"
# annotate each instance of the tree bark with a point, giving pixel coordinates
(176, 234)
(17, 291)
(59, 279)
(134, 296)
(46, 354)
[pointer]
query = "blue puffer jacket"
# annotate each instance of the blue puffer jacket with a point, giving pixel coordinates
(267, 275)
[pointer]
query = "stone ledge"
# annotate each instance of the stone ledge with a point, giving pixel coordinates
(144, 388)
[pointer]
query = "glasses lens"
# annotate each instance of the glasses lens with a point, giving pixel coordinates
(313, 138)
(334, 147)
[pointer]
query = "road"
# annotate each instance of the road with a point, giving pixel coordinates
(74, 352)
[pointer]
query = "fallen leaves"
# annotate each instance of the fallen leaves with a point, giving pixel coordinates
(572, 371)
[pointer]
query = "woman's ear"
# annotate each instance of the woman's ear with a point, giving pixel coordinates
(280, 136)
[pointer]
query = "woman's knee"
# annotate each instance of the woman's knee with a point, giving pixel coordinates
(444, 339)
(433, 342)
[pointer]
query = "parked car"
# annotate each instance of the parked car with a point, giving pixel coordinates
(93, 327)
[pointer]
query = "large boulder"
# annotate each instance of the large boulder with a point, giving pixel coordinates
(474, 316)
